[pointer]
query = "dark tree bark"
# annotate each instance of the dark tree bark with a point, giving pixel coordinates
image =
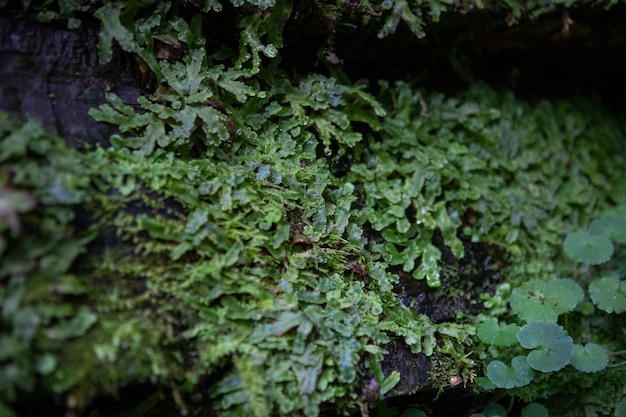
(52, 75)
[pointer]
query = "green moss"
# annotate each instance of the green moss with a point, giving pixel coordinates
(248, 221)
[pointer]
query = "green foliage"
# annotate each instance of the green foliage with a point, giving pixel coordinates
(491, 332)
(544, 301)
(535, 301)
(588, 248)
(427, 174)
(42, 184)
(613, 227)
(517, 375)
(609, 294)
(253, 222)
(552, 346)
(596, 246)
(589, 358)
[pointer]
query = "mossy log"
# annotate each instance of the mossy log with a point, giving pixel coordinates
(159, 275)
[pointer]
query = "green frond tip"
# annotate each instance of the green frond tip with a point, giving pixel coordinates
(588, 248)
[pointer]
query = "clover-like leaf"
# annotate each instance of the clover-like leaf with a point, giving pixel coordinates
(590, 358)
(588, 248)
(552, 346)
(491, 332)
(613, 227)
(540, 301)
(609, 294)
(535, 410)
(518, 375)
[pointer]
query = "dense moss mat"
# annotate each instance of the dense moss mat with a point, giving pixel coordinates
(249, 241)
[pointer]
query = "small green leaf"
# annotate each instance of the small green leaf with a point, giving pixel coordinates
(389, 382)
(587, 248)
(491, 332)
(613, 227)
(535, 410)
(518, 375)
(552, 346)
(540, 301)
(112, 29)
(590, 358)
(609, 294)
(429, 267)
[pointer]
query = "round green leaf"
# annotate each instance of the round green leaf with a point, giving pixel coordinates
(544, 301)
(613, 227)
(620, 410)
(609, 294)
(518, 375)
(491, 332)
(535, 410)
(552, 346)
(590, 358)
(587, 248)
